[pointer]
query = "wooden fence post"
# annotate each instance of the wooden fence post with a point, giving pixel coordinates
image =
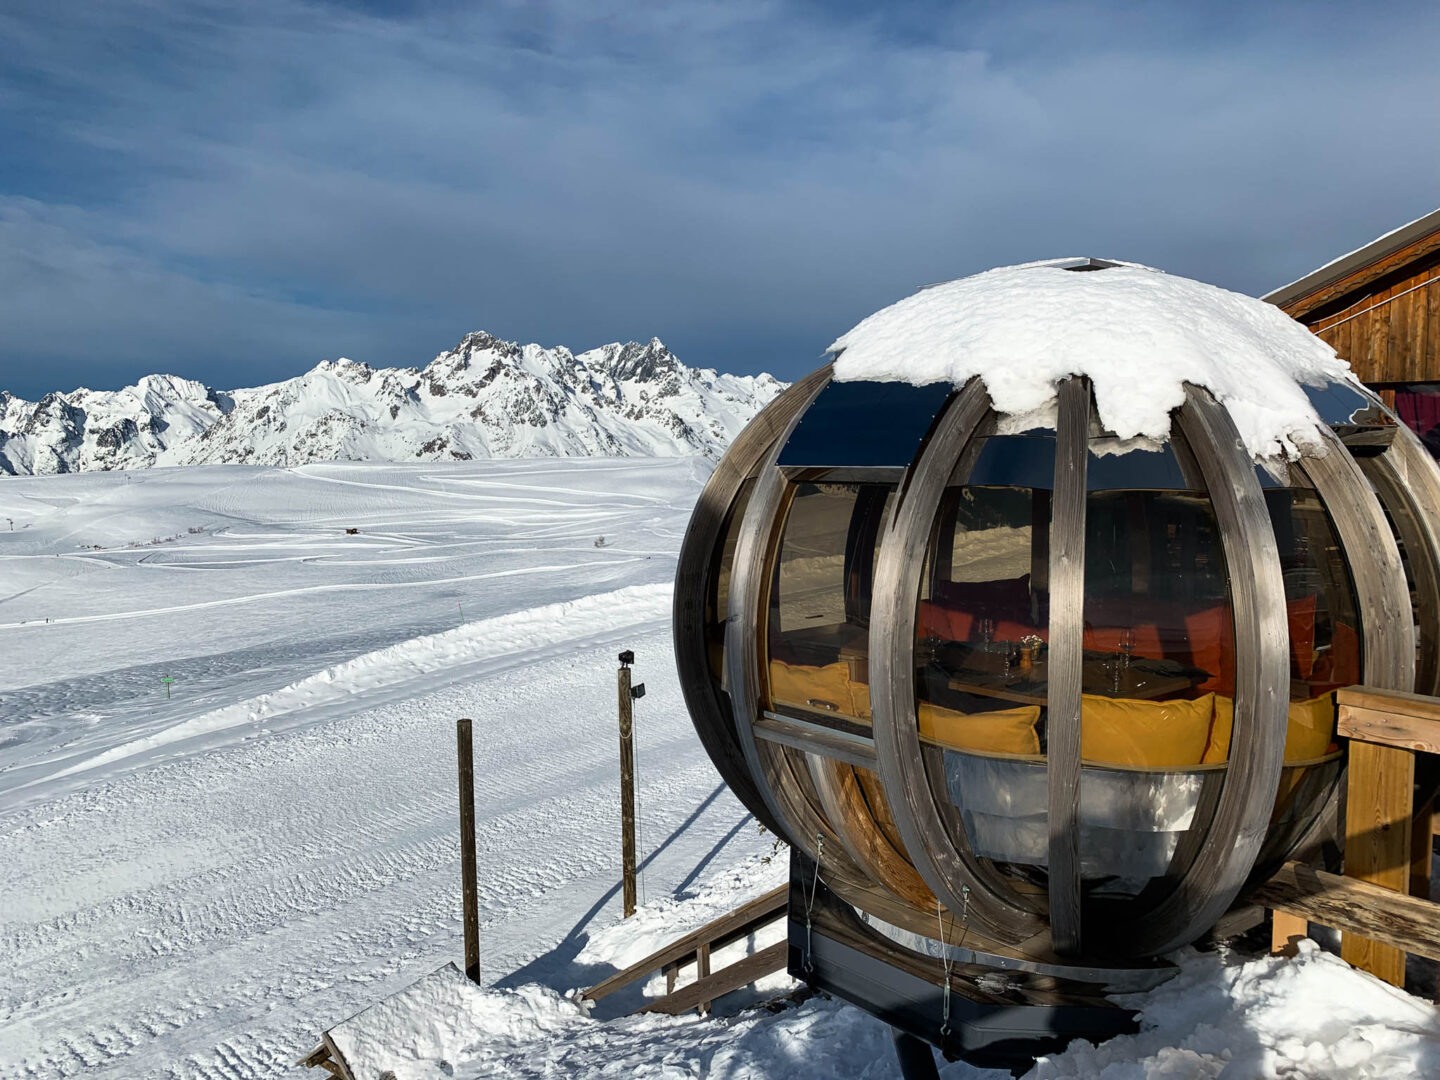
(627, 783)
(465, 751)
(1377, 842)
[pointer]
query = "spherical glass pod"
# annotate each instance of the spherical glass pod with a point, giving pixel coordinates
(1069, 692)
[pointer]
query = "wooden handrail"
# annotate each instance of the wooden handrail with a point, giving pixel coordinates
(1393, 918)
(750, 916)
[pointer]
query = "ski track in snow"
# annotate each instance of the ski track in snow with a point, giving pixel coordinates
(195, 889)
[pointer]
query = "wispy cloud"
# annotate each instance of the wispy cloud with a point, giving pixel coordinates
(237, 191)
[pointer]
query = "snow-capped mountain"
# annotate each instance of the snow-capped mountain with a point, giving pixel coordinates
(483, 398)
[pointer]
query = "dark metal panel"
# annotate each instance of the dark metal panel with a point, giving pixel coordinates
(709, 709)
(1387, 625)
(1067, 630)
(892, 656)
(1262, 683)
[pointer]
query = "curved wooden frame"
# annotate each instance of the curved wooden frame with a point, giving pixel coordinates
(710, 710)
(779, 775)
(1262, 679)
(1066, 660)
(1387, 626)
(898, 751)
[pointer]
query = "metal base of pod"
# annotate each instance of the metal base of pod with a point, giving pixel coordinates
(990, 1018)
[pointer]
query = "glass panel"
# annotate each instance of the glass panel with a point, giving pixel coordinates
(819, 611)
(1158, 648)
(1325, 654)
(1402, 516)
(1344, 406)
(864, 424)
(722, 561)
(981, 627)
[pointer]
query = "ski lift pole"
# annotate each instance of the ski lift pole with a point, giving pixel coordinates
(627, 696)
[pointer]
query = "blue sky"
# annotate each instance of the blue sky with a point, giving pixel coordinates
(234, 192)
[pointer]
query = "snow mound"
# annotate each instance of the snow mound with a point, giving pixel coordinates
(1313, 1017)
(1139, 334)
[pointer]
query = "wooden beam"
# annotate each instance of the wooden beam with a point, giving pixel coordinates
(1377, 843)
(741, 973)
(1400, 732)
(1400, 702)
(1067, 624)
(1395, 919)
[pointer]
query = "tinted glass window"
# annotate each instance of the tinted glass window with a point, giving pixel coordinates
(860, 424)
(819, 611)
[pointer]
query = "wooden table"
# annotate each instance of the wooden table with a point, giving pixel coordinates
(1097, 677)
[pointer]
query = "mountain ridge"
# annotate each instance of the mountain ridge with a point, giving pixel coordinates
(486, 397)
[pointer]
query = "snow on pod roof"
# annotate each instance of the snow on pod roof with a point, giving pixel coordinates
(1138, 333)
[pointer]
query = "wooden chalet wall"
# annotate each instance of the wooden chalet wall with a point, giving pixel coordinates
(1379, 306)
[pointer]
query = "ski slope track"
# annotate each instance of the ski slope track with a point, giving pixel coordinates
(197, 887)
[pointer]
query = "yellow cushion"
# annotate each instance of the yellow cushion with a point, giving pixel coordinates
(1005, 731)
(1150, 734)
(1308, 732)
(829, 688)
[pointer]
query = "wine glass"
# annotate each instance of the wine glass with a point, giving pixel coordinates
(1127, 644)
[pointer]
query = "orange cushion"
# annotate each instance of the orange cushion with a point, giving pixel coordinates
(1212, 647)
(936, 620)
(1309, 729)
(1107, 639)
(829, 688)
(1149, 734)
(1005, 731)
(1300, 614)
(1341, 665)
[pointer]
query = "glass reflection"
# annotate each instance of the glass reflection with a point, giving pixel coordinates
(1158, 648)
(819, 605)
(722, 563)
(982, 625)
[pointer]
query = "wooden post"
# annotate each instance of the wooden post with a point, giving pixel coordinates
(702, 971)
(627, 784)
(1285, 931)
(1377, 842)
(465, 751)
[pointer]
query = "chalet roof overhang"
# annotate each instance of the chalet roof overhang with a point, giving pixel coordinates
(1340, 282)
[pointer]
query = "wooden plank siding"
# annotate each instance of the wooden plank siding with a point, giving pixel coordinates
(1383, 317)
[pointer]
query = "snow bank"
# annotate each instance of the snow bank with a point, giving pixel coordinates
(1139, 334)
(1308, 1018)
(1313, 1017)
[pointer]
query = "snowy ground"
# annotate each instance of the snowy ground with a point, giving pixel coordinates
(196, 887)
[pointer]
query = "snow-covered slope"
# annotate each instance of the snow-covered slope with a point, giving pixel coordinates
(484, 398)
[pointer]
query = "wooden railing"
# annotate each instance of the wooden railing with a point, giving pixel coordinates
(1381, 905)
(696, 948)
